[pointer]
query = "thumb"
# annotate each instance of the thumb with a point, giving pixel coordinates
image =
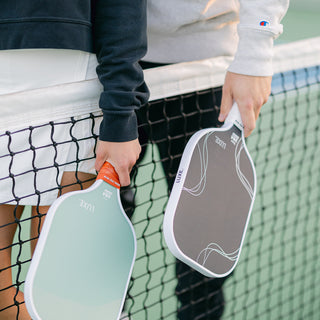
(101, 157)
(226, 105)
(99, 163)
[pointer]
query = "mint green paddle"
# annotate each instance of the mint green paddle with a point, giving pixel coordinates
(84, 258)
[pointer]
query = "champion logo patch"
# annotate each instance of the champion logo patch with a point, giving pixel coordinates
(264, 23)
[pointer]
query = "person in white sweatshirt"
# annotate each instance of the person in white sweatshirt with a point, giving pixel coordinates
(188, 30)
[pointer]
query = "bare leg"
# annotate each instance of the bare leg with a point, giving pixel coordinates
(11, 300)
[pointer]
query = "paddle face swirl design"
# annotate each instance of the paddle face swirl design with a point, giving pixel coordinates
(211, 201)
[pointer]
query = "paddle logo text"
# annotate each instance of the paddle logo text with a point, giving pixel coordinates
(87, 206)
(220, 143)
(234, 138)
(106, 194)
(179, 176)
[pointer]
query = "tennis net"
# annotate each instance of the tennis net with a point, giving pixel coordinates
(278, 272)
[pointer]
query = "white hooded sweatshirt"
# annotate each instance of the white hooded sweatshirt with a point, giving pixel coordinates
(187, 30)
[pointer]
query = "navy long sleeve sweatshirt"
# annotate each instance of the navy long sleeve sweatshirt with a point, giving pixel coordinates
(113, 29)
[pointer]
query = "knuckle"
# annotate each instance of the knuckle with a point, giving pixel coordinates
(224, 87)
(122, 165)
(139, 151)
(125, 182)
(99, 155)
(126, 163)
(249, 105)
(261, 102)
(251, 126)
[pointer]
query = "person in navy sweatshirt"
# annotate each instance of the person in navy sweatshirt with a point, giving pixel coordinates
(50, 45)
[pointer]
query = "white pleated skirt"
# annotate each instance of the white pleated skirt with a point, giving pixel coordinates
(49, 121)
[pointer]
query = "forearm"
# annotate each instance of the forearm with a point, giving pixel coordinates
(120, 42)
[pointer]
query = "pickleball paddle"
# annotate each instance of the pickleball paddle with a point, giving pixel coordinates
(211, 200)
(84, 256)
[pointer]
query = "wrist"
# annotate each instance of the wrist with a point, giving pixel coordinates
(118, 128)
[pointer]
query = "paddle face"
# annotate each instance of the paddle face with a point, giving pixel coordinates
(84, 257)
(211, 201)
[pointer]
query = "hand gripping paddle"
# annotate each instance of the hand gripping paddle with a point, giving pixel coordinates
(210, 204)
(84, 257)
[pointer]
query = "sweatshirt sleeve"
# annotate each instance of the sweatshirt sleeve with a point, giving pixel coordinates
(258, 27)
(120, 41)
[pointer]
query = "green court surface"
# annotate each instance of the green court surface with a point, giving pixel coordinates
(302, 21)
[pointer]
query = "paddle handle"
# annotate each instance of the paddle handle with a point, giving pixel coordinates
(108, 174)
(234, 117)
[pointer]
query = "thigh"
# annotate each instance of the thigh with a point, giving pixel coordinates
(33, 159)
(9, 219)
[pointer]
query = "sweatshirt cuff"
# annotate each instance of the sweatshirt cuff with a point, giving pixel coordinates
(118, 128)
(254, 54)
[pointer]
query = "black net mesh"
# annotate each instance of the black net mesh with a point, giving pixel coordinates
(277, 274)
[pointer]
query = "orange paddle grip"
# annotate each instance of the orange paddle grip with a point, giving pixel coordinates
(109, 175)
